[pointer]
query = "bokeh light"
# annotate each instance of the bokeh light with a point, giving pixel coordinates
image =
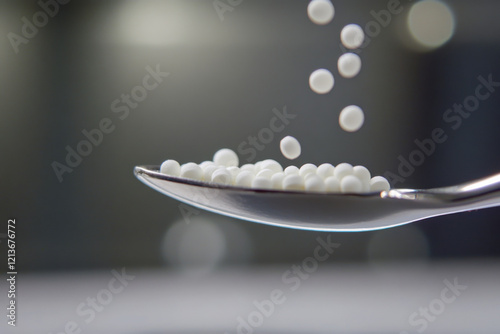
(431, 24)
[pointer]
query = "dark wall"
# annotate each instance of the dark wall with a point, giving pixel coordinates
(225, 78)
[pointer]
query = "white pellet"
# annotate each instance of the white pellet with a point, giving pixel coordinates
(293, 182)
(320, 11)
(205, 164)
(321, 81)
(191, 171)
(266, 173)
(314, 183)
(208, 171)
(290, 147)
(226, 157)
(332, 184)
(248, 167)
(272, 165)
(244, 179)
(262, 183)
(234, 172)
(306, 169)
(349, 65)
(351, 184)
(379, 183)
(222, 176)
(292, 170)
(325, 170)
(277, 180)
(171, 168)
(363, 174)
(342, 170)
(352, 36)
(351, 118)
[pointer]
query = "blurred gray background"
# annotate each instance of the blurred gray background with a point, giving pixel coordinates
(226, 77)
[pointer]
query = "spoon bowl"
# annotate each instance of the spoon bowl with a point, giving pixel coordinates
(325, 211)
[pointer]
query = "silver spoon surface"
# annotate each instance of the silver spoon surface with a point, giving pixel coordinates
(326, 212)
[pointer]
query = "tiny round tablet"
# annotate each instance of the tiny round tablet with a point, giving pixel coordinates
(352, 36)
(320, 11)
(379, 183)
(342, 170)
(291, 170)
(222, 176)
(290, 147)
(332, 184)
(244, 179)
(272, 165)
(321, 81)
(314, 183)
(266, 173)
(170, 167)
(262, 183)
(351, 118)
(363, 174)
(226, 157)
(351, 184)
(191, 171)
(349, 65)
(293, 182)
(248, 167)
(234, 172)
(277, 180)
(307, 169)
(325, 170)
(208, 171)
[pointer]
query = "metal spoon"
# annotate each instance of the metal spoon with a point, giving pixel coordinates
(326, 212)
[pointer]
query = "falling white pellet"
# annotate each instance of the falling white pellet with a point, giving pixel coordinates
(290, 147)
(321, 11)
(351, 118)
(352, 36)
(349, 65)
(321, 81)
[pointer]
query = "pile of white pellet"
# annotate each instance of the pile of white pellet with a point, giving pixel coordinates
(269, 174)
(224, 169)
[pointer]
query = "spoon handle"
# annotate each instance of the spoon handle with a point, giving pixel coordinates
(478, 194)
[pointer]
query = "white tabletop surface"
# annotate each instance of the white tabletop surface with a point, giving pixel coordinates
(333, 299)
